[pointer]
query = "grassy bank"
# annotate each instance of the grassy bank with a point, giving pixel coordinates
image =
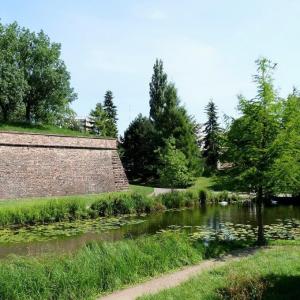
(41, 211)
(99, 268)
(43, 129)
(272, 274)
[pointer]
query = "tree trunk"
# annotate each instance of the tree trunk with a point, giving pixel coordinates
(4, 114)
(27, 115)
(261, 241)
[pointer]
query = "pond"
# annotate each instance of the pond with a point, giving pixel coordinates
(68, 237)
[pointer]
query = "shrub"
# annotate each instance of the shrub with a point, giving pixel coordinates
(243, 287)
(174, 171)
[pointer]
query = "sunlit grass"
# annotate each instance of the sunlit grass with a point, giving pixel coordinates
(270, 274)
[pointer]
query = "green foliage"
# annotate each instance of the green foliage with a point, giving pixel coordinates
(158, 86)
(111, 111)
(137, 149)
(285, 172)
(12, 82)
(104, 117)
(100, 119)
(173, 171)
(35, 84)
(211, 151)
(44, 211)
(251, 137)
(167, 119)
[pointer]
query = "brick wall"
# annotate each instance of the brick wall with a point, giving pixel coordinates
(33, 165)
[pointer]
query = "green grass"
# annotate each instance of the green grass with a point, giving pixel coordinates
(69, 208)
(50, 210)
(272, 274)
(144, 190)
(205, 183)
(46, 129)
(99, 267)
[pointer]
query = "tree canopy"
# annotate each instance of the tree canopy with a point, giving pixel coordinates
(35, 84)
(251, 137)
(104, 117)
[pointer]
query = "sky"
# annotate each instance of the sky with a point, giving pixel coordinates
(208, 48)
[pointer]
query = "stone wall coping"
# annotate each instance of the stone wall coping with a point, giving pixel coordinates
(13, 138)
(57, 135)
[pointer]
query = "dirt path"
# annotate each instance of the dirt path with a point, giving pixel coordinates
(173, 279)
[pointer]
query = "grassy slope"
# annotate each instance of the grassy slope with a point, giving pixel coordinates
(205, 183)
(88, 199)
(144, 190)
(48, 129)
(274, 273)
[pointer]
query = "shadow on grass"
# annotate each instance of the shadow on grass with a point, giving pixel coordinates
(282, 288)
(271, 287)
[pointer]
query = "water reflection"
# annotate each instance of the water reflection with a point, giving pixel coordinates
(210, 216)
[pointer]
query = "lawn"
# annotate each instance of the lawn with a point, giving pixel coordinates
(88, 199)
(272, 274)
(144, 190)
(46, 129)
(205, 183)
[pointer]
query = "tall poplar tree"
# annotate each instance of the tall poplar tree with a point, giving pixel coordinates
(211, 140)
(158, 86)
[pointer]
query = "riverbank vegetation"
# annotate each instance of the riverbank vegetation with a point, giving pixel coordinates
(269, 274)
(136, 201)
(102, 267)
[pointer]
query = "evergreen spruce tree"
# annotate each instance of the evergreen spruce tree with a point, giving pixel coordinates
(111, 112)
(211, 150)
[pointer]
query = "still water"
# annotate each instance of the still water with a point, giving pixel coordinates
(130, 227)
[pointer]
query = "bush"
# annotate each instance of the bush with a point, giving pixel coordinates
(173, 171)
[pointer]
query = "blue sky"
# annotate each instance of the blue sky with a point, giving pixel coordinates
(208, 47)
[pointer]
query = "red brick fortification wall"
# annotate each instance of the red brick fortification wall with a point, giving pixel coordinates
(34, 165)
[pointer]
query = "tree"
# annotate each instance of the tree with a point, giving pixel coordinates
(138, 149)
(173, 171)
(12, 83)
(251, 139)
(285, 172)
(46, 75)
(158, 86)
(33, 76)
(211, 149)
(111, 112)
(100, 119)
(170, 118)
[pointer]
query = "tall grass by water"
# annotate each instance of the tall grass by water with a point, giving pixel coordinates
(100, 268)
(41, 211)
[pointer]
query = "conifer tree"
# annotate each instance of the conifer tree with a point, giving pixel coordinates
(111, 112)
(212, 137)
